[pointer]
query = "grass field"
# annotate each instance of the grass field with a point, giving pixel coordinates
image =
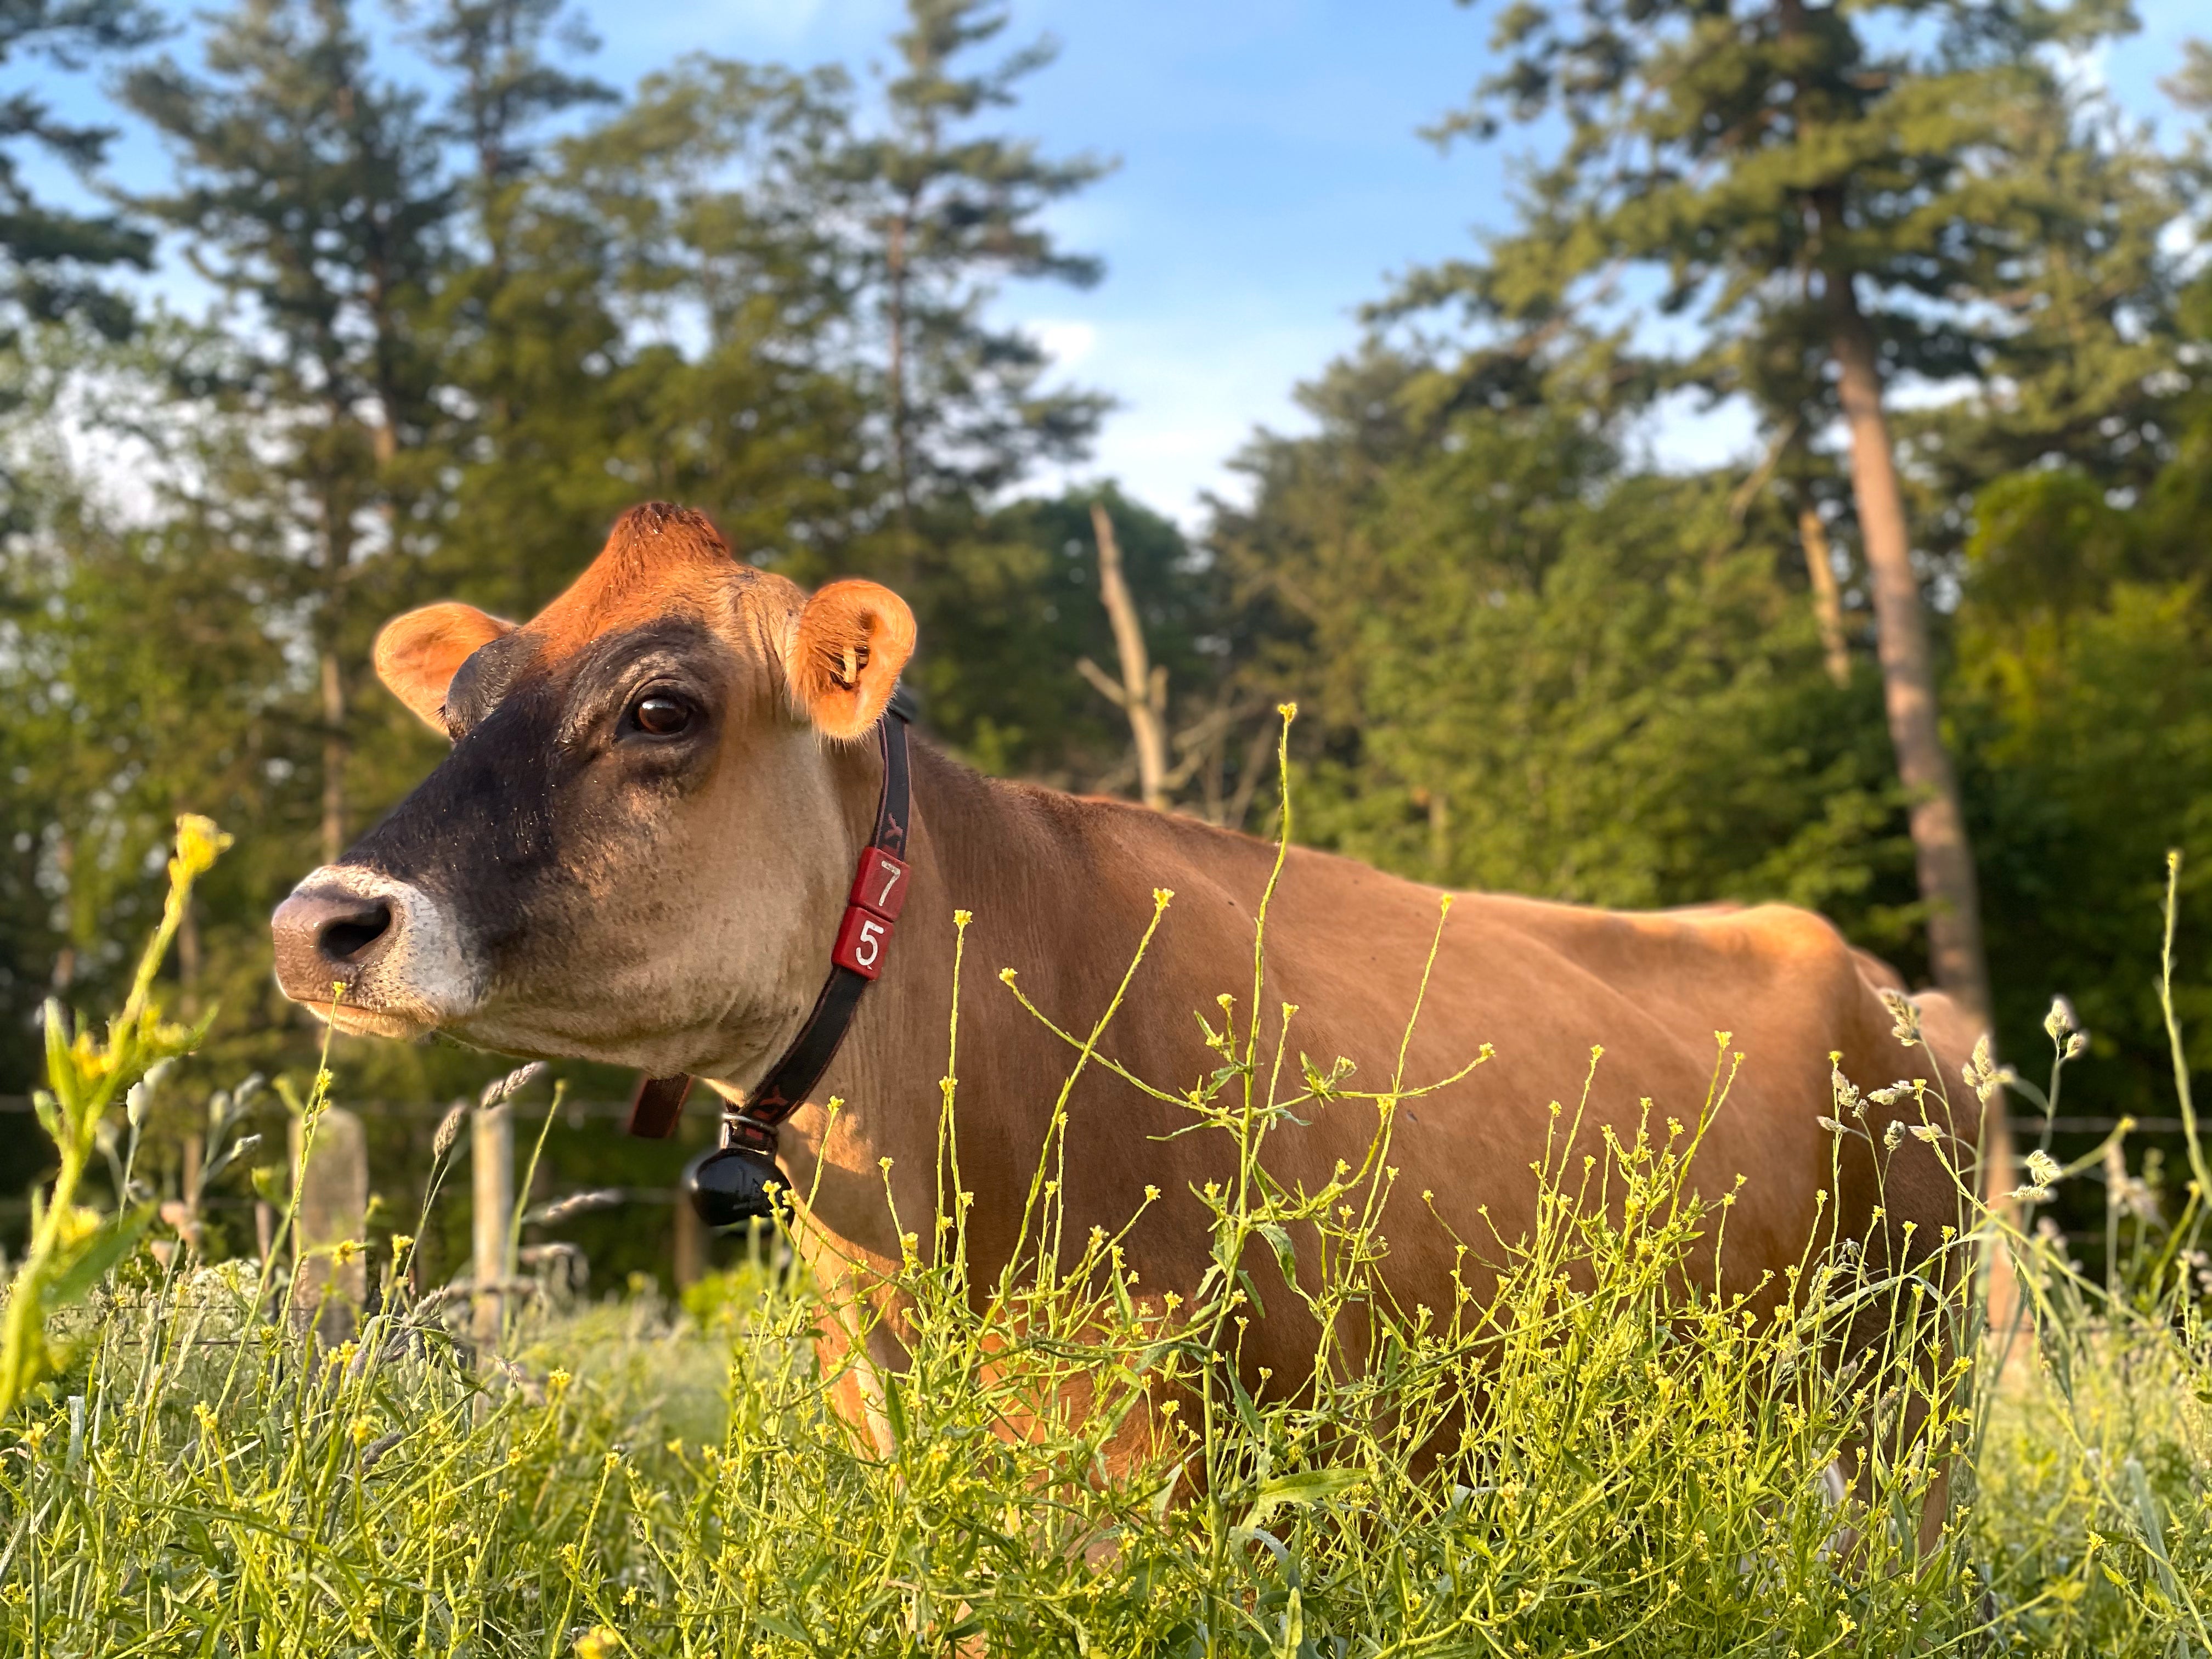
(1643, 1468)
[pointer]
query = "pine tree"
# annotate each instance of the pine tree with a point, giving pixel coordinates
(47, 253)
(2086, 367)
(661, 308)
(310, 194)
(1843, 182)
(952, 214)
(518, 313)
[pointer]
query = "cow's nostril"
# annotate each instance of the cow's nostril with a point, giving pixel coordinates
(343, 938)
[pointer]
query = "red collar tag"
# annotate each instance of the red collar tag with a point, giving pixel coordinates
(879, 886)
(878, 894)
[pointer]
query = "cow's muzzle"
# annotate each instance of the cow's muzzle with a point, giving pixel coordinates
(372, 954)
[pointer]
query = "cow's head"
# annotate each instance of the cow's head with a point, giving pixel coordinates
(645, 825)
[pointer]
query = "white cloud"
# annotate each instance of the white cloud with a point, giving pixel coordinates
(1066, 341)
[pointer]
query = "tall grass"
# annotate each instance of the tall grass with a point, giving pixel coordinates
(1600, 1456)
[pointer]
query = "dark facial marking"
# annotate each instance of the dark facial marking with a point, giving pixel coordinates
(654, 691)
(559, 769)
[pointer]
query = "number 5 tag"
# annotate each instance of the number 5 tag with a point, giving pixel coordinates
(860, 942)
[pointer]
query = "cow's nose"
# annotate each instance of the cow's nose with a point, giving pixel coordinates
(326, 931)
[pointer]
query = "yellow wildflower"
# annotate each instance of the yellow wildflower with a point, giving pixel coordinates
(200, 844)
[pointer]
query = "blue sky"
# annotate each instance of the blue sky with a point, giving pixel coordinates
(1271, 180)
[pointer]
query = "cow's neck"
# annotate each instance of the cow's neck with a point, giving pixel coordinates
(978, 845)
(1010, 855)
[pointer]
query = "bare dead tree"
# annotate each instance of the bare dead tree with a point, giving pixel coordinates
(1142, 690)
(1165, 761)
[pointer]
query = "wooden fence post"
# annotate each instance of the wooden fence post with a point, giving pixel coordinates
(492, 1155)
(329, 1293)
(690, 1241)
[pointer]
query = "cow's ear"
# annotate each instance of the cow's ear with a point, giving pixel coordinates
(417, 654)
(845, 654)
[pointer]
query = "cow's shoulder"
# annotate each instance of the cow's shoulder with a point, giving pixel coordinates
(1129, 844)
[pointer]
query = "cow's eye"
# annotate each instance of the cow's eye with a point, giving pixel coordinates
(660, 716)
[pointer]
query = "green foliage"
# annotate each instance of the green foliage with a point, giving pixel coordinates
(1644, 724)
(949, 210)
(72, 1248)
(1542, 674)
(2084, 646)
(2087, 324)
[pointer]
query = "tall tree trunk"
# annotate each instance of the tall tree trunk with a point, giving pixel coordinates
(1944, 860)
(901, 470)
(334, 756)
(1827, 599)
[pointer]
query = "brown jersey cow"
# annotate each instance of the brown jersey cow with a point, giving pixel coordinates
(639, 848)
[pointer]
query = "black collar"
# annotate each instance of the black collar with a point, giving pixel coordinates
(878, 894)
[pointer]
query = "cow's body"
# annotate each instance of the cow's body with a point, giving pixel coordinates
(1060, 890)
(590, 874)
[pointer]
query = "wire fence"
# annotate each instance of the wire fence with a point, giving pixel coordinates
(430, 1110)
(577, 1110)
(574, 1112)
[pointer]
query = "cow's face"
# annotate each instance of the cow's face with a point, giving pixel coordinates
(646, 825)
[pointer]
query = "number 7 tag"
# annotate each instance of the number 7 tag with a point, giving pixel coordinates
(880, 884)
(860, 942)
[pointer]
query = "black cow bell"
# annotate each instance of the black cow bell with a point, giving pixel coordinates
(731, 1186)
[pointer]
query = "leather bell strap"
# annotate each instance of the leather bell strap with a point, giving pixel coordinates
(872, 908)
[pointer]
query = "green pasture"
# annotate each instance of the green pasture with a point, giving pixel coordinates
(1606, 1459)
